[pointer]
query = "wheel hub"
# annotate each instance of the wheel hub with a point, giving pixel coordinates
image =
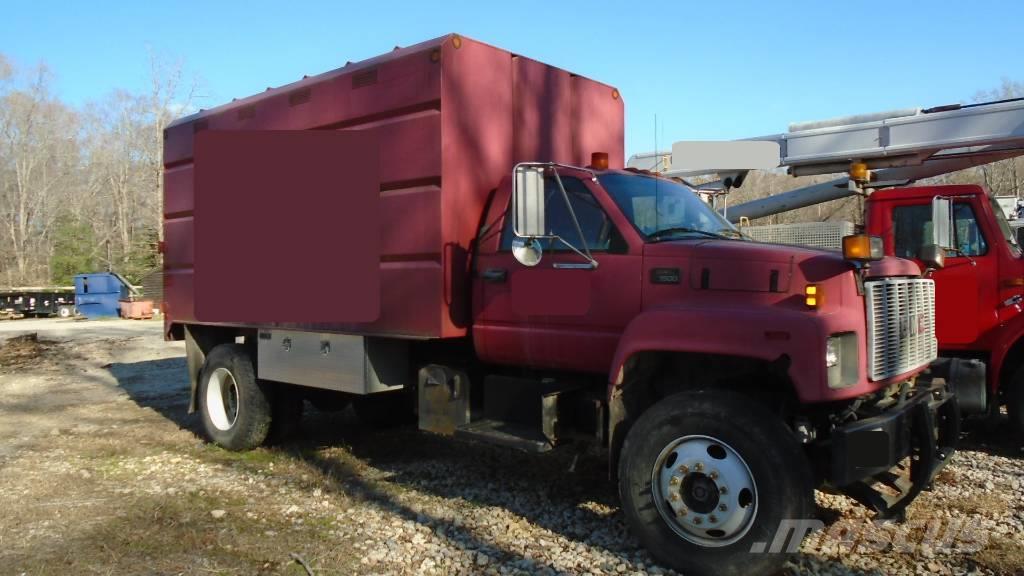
(699, 493)
(704, 491)
(222, 399)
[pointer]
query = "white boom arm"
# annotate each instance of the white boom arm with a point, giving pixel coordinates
(897, 147)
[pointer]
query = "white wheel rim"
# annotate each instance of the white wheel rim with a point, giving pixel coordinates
(222, 399)
(704, 491)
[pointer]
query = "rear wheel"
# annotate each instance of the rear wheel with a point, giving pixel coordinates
(65, 312)
(236, 407)
(704, 476)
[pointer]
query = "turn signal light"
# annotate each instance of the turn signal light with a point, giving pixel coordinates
(862, 248)
(811, 295)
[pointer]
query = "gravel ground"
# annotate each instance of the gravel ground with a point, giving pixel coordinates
(101, 471)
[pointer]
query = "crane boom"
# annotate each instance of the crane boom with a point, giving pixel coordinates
(888, 149)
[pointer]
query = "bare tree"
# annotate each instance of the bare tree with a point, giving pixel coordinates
(37, 156)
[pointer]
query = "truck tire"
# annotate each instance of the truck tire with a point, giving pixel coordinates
(704, 476)
(236, 407)
(383, 409)
(65, 311)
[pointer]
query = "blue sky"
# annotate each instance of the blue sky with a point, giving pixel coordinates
(708, 70)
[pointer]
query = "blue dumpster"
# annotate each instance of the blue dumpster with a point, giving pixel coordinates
(98, 294)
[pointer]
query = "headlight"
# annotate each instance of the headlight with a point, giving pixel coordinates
(832, 352)
(841, 359)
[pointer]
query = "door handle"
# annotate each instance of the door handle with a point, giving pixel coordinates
(575, 265)
(495, 275)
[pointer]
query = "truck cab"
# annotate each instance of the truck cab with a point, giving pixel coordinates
(584, 265)
(979, 289)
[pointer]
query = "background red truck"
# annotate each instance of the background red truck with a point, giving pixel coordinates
(726, 379)
(978, 292)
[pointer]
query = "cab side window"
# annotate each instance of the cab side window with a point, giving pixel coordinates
(597, 228)
(912, 228)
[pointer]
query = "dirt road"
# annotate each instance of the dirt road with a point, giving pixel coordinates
(103, 472)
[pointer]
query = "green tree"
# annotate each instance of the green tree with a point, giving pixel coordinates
(73, 250)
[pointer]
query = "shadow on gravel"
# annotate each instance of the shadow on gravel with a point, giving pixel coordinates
(993, 437)
(161, 385)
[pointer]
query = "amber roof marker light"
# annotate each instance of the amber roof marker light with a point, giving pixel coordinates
(599, 160)
(862, 248)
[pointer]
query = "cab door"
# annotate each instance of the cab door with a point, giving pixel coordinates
(561, 313)
(963, 299)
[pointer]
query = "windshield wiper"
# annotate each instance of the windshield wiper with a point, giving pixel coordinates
(665, 232)
(729, 232)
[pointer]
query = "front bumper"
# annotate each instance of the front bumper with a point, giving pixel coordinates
(923, 427)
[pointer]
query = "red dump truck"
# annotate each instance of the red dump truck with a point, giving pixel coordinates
(534, 292)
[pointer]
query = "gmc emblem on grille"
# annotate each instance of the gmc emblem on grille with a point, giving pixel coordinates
(912, 325)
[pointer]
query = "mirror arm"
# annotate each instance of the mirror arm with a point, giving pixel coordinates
(591, 263)
(575, 221)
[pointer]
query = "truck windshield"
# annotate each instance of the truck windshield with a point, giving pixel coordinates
(662, 209)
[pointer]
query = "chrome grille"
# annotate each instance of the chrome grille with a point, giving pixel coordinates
(901, 325)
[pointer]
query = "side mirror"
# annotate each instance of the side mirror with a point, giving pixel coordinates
(1020, 235)
(933, 256)
(527, 251)
(528, 202)
(942, 222)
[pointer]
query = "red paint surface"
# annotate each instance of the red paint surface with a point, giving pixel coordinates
(532, 293)
(280, 217)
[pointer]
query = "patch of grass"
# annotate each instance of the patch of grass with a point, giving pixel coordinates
(1002, 555)
(978, 503)
(174, 535)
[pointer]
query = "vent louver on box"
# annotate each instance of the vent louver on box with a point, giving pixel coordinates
(299, 97)
(364, 78)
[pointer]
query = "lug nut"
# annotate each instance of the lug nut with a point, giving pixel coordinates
(673, 480)
(712, 519)
(673, 496)
(698, 520)
(713, 475)
(723, 490)
(684, 470)
(698, 466)
(682, 512)
(722, 507)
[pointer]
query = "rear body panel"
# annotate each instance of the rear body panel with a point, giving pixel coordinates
(452, 116)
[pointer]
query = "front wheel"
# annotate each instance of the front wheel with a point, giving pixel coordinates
(706, 477)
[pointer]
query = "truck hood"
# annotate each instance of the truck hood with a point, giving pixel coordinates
(893, 266)
(750, 266)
